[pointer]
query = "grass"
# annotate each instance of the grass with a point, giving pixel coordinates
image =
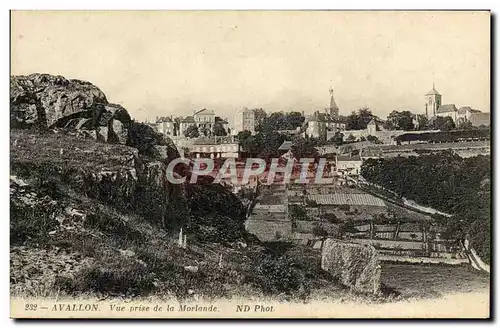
(430, 281)
(114, 252)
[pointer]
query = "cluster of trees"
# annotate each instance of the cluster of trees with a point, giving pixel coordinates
(218, 129)
(263, 144)
(446, 182)
(406, 120)
(358, 120)
(277, 121)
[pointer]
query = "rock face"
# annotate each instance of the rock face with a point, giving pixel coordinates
(356, 266)
(44, 98)
(47, 101)
(125, 169)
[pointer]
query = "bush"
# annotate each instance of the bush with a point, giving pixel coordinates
(297, 212)
(344, 207)
(30, 224)
(319, 231)
(330, 217)
(279, 275)
(113, 275)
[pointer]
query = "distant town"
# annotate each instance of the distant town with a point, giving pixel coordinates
(204, 134)
(359, 193)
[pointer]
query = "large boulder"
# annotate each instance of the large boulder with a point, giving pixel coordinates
(51, 97)
(48, 101)
(356, 266)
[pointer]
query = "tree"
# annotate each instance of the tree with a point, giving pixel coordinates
(177, 124)
(260, 115)
(243, 135)
(465, 125)
(192, 132)
(281, 121)
(373, 139)
(423, 122)
(442, 123)
(351, 138)
(304, 148)
(204, 131)
(358, 120)
(219, 129)
(338, 138)
(400, 121)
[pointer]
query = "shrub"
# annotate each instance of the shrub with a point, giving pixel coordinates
(319, 231)
(30, 224)
(330, 217)
(113, 275)
(297, 212)
(344, 207)
(279, 275)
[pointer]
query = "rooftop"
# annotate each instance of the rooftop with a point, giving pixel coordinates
(205, 111)
(447, 108)
(286, 146)
(347, 199)
(188, 119)
(215, 140)
(433, 92)
(163, 119)
(465, 109)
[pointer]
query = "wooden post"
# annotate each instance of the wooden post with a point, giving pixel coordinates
(220, 261)
(184, 242)
(180, 238)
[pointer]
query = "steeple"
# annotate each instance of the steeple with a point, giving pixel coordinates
(334, 109)
(432, 102)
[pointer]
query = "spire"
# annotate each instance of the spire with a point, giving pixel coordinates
(334, 109)
(433, 91)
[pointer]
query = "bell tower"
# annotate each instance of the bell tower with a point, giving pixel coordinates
(432, 102)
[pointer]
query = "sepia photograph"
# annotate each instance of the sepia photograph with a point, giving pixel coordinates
(250, 164)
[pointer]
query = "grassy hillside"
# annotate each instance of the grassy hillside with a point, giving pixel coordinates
(73, 230)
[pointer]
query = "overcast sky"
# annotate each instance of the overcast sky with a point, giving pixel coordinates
(162, 63)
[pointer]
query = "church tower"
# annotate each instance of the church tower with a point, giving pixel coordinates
(432, 102)
(334, 109)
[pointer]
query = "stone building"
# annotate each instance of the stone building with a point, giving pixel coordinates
(244, 120)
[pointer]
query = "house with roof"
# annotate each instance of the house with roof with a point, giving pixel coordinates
(185, 123)
(165, 125)
(449, 110)
(348, 165)
(204, 119)
(320, 125)
(465, 113)
(216, 147)
(244, 120)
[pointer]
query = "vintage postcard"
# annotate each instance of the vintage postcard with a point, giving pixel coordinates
(250, 164)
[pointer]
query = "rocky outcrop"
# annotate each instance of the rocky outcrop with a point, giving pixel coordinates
(126, 168)
(44, 99)
(356, 266)
(48, 101)
(80, 108)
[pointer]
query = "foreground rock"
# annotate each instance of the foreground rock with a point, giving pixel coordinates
(356, 266)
